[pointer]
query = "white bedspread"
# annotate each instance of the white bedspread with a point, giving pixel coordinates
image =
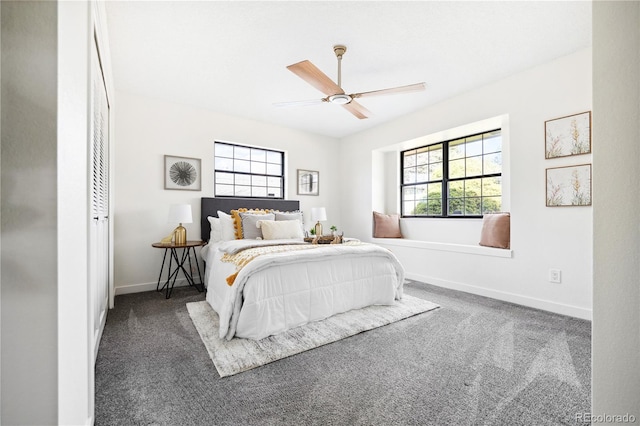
(279, 291)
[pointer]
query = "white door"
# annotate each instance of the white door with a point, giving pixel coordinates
(99, 187)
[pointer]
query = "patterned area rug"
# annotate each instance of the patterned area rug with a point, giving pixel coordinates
(237, 355)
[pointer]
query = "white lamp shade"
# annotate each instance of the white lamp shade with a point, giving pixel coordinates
(318, 213)
(180, 213)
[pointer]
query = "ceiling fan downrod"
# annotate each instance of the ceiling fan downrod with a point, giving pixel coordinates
(340, 99)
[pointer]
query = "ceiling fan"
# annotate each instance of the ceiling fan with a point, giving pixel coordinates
(334, 93)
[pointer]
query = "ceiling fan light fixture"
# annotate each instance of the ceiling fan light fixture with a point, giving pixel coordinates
(340, 99)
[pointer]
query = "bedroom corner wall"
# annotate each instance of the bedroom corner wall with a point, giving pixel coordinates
(616, 159)
(541, 237)
(147, 129)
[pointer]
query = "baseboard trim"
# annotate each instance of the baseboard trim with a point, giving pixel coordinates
(139, 288)
(545, 305)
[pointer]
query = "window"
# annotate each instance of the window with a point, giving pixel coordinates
(244, 171)
(456, 178)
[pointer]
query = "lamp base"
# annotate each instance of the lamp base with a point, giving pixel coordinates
(180, 235)
(318, 229)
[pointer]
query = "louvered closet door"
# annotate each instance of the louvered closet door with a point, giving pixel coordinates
(99, 220)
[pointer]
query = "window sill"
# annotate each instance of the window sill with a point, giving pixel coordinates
(456, 248)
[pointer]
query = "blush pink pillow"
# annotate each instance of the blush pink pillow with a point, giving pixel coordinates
(386, 225)
(496, 230)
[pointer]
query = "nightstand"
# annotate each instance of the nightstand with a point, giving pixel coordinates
(177, 264)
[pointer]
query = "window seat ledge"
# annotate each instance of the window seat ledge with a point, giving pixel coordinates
(457, 248)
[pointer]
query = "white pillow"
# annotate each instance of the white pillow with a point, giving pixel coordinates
(228, 232)
(276, 230)
(216, 229)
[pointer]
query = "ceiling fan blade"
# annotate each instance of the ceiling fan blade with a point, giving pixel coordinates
(300, 103)
(312, 75)
(394, 90)
(358, 110)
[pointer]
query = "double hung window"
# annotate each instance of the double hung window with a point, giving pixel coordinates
(455, 178)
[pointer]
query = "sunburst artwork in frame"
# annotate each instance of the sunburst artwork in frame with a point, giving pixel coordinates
(182, 173)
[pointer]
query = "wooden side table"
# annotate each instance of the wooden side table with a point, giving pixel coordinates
(188, 249)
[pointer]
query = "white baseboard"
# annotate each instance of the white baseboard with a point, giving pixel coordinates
(139, 288)
(545, 305)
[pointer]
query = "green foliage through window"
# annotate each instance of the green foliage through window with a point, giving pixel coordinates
(456, 178)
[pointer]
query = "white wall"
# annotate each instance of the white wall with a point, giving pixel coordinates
(616, 159)
(541, 237)
(148, 129)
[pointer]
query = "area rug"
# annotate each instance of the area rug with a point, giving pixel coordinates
(237, 355)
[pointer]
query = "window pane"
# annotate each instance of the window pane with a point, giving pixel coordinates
(274, 169)
(474, 146)
(258, 155)
(224, 190)
(422, 174)
(472, 188)
(474, 166)
(410, 159)
(435, 207)
(258, 191)
(456, 189)
(224, 178)
(435, 153)
(493, 163)
(472, 206)
(456, 149)
(242, 153)
(435, 171)
(491, 204)
(224, 164)
(243, 180)
(409, 208)
(492, 142)
(242, 191)
(258, 181)
(421, 192)
(491, 186)
(274, 157)
(409, 175)
(457, 169)
(258, 168)
(423, 157)
(274, 192)
(274, 181)
(241, 166)
(435, 191)
(456, 206)
(223, 150)
(409, 192)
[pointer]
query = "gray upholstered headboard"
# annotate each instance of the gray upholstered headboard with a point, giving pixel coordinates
(210, 207)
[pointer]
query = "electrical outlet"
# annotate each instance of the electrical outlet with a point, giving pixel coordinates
(555, 275)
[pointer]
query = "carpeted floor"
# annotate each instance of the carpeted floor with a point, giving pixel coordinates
(472, 361)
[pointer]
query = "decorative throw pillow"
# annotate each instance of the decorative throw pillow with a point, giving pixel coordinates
(237, 220)
(249, 229)
(227, 231)
(297, 215)
(284, 229)
(496, 230)
(216, 229)
(386, 225)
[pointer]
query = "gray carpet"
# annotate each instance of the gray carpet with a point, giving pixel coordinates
(237, 355)
(473, 361)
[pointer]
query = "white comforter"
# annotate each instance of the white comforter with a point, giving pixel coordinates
(279, 291)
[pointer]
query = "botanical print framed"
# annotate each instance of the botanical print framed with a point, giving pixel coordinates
(308, 182)
(182, 173)
(570, 135)
(569, 186)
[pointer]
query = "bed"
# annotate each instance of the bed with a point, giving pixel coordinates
(276, 282)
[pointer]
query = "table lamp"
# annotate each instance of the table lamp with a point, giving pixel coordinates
(318, 214)
(180, 213)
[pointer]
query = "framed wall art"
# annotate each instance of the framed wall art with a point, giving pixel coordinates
(570, 135)
(569, 186)
(308, 182)
(182, 173)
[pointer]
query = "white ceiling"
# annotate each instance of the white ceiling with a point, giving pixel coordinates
(231, 57)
